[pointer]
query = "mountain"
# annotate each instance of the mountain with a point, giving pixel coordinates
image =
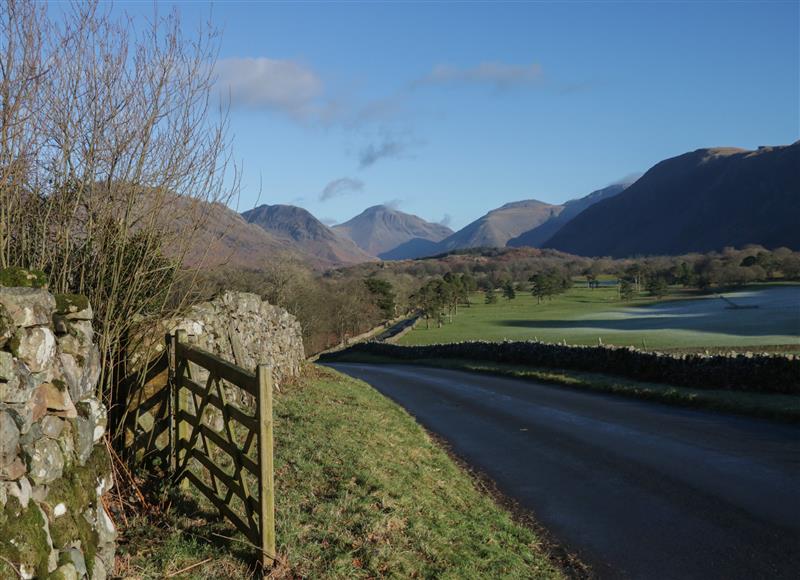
(227, 239)
(540, 234)
(696, 202)
(380, 229)
(500, 225)
(306, 234)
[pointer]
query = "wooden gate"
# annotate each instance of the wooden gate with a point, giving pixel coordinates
(224, 465)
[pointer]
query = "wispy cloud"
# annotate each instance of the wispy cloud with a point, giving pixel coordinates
(374, 152)
(263, 83)
(446, 220)
(494, 74)
(628, 180)
(385, 146)
(393, 203)
(329, 221)
(341, 186)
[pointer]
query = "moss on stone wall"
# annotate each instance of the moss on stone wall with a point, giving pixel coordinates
(21, 277)
(67, 303)
(77, 491)
(23, 539)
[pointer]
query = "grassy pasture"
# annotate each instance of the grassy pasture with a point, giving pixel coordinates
(585, 316)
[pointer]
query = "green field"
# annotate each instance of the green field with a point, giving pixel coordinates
(584, 316)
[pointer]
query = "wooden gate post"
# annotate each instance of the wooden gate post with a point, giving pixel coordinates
(266, 478)
(170, 342)
(181, 404)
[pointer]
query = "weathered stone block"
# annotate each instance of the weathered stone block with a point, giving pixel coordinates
(28, 306)
(9, 438)
(48, 398)
(52, 426)
(81, 372)
(89, 427)
(45, 461)
(36, 347)
(19, 386)
(6, 366)
(6, 326)
(12, 470)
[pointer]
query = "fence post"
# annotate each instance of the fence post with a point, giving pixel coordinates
(181, 404)
(266, 477)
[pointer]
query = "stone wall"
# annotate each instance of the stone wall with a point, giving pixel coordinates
(779, 373)
(238, 327)
(54, 466)
(247, 331)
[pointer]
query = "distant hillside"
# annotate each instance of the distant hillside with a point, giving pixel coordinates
(415, 248)
(537, 236)
(306, 234)
(696, 202)
(227, 239)
(500, 225)
(380, 229)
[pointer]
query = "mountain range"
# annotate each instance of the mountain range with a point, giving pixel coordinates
(699, 201)
(696, 202)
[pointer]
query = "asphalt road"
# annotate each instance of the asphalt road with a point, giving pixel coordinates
(638, 490)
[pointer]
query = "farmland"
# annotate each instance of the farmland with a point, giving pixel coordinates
(590, 316)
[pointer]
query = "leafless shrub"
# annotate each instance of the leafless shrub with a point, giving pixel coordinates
(111, 145)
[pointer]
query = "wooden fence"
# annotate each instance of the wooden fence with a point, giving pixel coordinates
(220, 465)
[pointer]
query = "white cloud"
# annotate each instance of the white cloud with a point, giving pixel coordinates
(393, 203)
(496, 74)
(264, 83)
(341, 186)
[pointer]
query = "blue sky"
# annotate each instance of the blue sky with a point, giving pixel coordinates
(451, 109)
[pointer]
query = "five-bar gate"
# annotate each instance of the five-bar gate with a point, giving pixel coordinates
(229, 465)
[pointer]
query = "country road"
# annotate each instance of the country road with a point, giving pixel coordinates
(638, 490)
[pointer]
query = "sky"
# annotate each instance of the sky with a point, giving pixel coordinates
(450, 109)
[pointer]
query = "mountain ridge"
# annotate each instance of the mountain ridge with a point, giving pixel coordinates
(499, 225)
(703, 200)
(379, 229)
(542, 233)
(306, 233)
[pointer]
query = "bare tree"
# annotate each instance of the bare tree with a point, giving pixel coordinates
(111, 148)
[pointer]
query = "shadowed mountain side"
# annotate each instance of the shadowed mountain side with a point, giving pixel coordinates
(696, 202)
(539, 235)
(380, 229)
(411, 249)
(306, 234)
(500, 225)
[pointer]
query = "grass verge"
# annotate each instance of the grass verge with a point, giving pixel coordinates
(362, 492)
(772, 406)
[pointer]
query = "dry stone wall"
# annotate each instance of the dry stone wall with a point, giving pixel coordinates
(236, 326)
(242, 328)
(777, 373)
(54, 466)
